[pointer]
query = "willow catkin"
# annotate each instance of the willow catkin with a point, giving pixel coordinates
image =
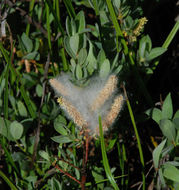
(59, 87)
(112, 114)
(115, 109)
(72, 112)
(140, 26)
(105, 93)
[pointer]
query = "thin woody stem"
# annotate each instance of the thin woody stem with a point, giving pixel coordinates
(67, 174)
(85, 160)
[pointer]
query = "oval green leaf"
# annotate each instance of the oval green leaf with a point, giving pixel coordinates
(168, 129)
(22, 109)
(44, 155)
(171, 172)
(82, 56)
(79, 73)
(16, 130)
(61, 139)
(74, 43)
(167, 108)
(104, 69)
(155, 114)
(27, 42)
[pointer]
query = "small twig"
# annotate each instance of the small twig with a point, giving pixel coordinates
(29, 19)
(37, 136)
(67, 174)
(48, 174)
(60, 159)
(85, 159)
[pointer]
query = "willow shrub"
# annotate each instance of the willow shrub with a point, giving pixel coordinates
(88, 42)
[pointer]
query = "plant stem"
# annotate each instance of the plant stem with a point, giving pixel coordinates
(137, 135)
(105, 158)
(85, 159)
(171, 35)
(31, 6)
(169, 38)
(11, 185)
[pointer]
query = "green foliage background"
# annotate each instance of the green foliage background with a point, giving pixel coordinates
(40, 148)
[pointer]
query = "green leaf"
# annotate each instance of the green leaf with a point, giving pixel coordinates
(145, 44)
(155, 114)
(115, 62)
(92, 63)
(44, 155)
(112, 142)
(5, 128)
(91, 67)
(59, 125)
(61, 139)
(81, 21)
(16, 130)
(2, 86)
(27, 42)
(33, 55)
(168, 129)
(157, 152)
(105, 159)
(74, 43)
(98, 176)
(22, 109)
(171, 172)
(68, 27)
(73, 65)
(155, 52)
(68, 47)
(82, 55)
(73, 25)
(104, 69)
(118, 69)
(101, 57)
(176, 120)
(79, 73)
(39, 90)
(167, 108)
(162, 180)
(176, 115)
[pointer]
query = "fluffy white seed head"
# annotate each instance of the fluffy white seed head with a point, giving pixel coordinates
(85, 104)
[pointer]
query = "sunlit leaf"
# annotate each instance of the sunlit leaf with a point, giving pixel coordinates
(16, 130)
(27, 42)
(105, 68)
(171, 172)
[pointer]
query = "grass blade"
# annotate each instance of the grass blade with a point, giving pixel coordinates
(169, 38)
(105, 159)
(56, 16)
(31, 6)
(6, 92)
(9, 157)
(70, 8)
(48, 27)
(22, 90)
(171, 35)
(137, 136)
(11, 185)
(117, 27)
